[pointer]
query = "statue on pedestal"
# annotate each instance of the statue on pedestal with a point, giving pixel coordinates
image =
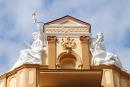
(32, 55)
(99, 53)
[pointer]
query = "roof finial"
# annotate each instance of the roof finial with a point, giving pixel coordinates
(34, 16)
(39, 25)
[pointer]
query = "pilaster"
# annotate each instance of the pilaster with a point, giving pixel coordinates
(85, 52)
(51, 52)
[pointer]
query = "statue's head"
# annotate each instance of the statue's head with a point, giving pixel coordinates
(100, 35)
(36, 35)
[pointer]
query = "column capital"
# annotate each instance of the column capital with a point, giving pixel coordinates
(84, 39)
(51, 39)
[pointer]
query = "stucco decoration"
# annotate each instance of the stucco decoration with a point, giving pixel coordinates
(68, 44)
(33, 54)
(21, 77)
(12, 82)
(31, 77)
(1, 83)
(108, 77)
(99, 53)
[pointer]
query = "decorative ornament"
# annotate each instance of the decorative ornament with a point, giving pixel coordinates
(68, 44)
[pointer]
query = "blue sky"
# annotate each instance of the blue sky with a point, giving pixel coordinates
(112, 17)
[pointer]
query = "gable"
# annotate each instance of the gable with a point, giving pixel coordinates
(67, 25)
(67, 21)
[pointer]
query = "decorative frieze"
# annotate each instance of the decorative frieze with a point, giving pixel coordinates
(66, 30)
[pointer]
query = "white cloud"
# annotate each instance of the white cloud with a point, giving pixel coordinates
(9, 53)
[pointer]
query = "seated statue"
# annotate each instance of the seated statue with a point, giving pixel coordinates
(99, 53)
(32, 55)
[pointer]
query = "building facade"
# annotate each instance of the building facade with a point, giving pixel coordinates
(66, 61)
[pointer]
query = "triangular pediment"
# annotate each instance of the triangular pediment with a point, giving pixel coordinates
(67, 21)
(68, 25)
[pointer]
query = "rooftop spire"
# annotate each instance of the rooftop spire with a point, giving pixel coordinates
(34, 16)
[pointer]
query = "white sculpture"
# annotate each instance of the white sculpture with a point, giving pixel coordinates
(99, 53)
(32, 55)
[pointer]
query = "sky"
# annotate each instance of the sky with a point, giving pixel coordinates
(112, 17)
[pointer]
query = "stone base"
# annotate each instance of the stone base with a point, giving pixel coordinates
(34, 75)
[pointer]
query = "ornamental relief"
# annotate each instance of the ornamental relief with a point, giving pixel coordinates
(66, 30)
(68, 44)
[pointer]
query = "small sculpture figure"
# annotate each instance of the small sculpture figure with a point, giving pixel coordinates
(99, 53)
(32, 55)
(68, 44)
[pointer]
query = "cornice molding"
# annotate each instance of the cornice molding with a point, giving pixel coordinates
(45, 68)
(113, 67)
(10, 73)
